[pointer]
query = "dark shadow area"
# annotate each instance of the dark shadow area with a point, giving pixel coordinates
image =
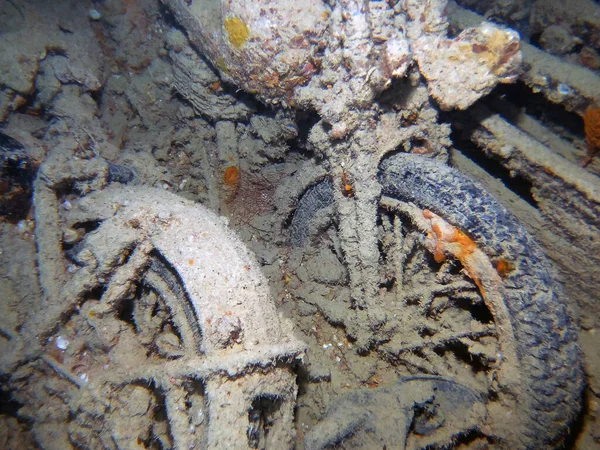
(262, 415)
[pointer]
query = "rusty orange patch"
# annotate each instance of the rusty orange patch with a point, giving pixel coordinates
(231, 176)
(503, 267)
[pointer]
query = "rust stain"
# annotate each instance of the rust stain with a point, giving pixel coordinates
(503, 267)
(231, 176)
(591, 127)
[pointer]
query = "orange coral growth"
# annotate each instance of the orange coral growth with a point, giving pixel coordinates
(438, 254)
(448, 239)
(464, 244)
(347, 189)
(591, 127)
(231, 176)
(503, 267)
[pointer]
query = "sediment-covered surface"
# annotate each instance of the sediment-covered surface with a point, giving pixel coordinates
(369, 309)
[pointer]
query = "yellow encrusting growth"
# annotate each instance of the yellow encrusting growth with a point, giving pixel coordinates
(237, 31)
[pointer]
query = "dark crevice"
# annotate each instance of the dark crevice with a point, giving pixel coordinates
(305, 121)
(388, 284)
(17, 172)
(97, 96)
(462, 353)
(480, 312)
(64, 30)
(126, 254)
(517, 184)
(8, 405)
(160, 410)
(534, 39)
(426, 332)
(168, 18)
(87, 226)
(577, 427)
(517, 99)
(262, 415)
(462, 127)
(536, 105)
(95, 294)
(164, 269)
(125, 311)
